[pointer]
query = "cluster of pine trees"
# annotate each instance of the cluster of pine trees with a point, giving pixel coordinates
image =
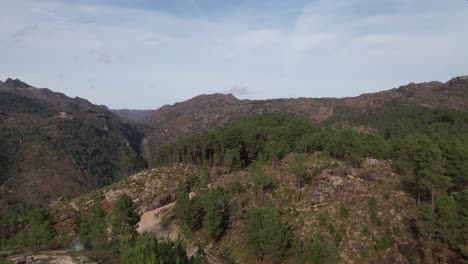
(123, 240)
(429, 148)
(111, 235)
(267, 236)
(29, 228)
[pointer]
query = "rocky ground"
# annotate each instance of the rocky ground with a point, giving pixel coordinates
(51, 257)
(335, 188)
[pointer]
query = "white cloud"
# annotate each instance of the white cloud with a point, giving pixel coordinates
(238, 89)
(134, 58)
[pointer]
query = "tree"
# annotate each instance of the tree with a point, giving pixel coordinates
(92, 228)
(262, 181)
(448, 221)
(266, 235)
(41, 233)
(232, 159)
(124, 220)
(298, 167)
(461, 200)
(216, 208)
(189, 211)
(431, 180)
(427, 226)
(316, 250)
(149, 250)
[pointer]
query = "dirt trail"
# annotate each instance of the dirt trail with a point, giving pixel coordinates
(151, 221)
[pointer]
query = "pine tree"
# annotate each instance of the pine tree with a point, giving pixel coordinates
(124, 220)
(41, 233)
(427, 227)
(216, 213)
(266, 235)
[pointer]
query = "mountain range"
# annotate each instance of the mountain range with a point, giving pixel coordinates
(54, 146)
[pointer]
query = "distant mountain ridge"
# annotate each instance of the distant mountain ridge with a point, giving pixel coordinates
(52, 145)
(206, 111)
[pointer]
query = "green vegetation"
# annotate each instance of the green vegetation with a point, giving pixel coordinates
(385, 241)
(344, 211)
(216, 213)
(323, 219)
(41, 233)
(92, 228)
(315, 250)
(189, 211)
(262, 181)
(123, 222)
(266, 234)
(373, 208)
(270, 137)
(148, 249)
(428, 147)
(209, 209)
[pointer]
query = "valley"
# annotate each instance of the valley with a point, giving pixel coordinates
(378, 178)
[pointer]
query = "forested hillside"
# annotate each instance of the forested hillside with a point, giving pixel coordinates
(380, 178)
(280, 188)
(52, 145)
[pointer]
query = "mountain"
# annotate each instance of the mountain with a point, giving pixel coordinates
(377, 178)
(52, 145)
(204, 112)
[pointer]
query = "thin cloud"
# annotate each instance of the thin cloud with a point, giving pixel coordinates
(238, 89)
(329, 48)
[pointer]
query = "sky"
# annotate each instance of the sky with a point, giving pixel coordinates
(142, 54)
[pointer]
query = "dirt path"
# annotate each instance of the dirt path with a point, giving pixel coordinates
(53, 257)
(151, 221)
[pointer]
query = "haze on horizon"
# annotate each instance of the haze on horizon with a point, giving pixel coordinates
(143, 54)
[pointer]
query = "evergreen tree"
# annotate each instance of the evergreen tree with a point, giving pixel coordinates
(298, 167)
(92, 228)
(427, 226)
(189, 211)
(266, 235)
(448, 221)
(315, 250)
(216, 208)
(124, 220)
(149, 250)
(41, 233)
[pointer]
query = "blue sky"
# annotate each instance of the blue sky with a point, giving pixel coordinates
(143, 54)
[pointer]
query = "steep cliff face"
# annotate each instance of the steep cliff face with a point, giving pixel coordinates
(52, 145)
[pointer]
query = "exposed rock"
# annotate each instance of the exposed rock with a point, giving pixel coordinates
(336, 181)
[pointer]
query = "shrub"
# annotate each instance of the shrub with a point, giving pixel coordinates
(373, 211)
(235, 187)
(385, 241)
(323, 219)
(344, 211)
(315, 250)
